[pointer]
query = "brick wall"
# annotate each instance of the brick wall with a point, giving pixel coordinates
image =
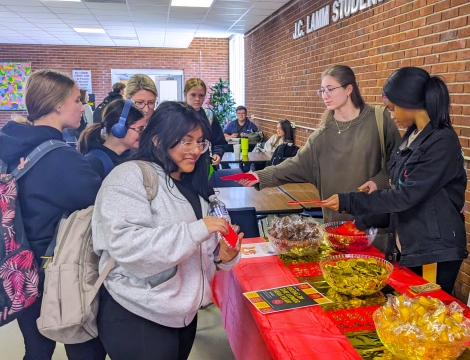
(282, 74)
(206, 56)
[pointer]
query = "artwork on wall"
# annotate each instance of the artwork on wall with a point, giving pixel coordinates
(13, 77)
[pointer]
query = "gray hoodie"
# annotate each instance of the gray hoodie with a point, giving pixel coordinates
(164, 255)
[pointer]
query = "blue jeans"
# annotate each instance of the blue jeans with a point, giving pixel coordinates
(39, 347)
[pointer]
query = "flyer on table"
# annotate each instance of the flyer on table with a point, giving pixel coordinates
(258, 250)
(286, 298)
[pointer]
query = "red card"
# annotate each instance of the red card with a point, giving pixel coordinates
(240, 176)
(232, 237)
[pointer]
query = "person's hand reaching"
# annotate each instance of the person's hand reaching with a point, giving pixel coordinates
(248, 183)
(331, 203)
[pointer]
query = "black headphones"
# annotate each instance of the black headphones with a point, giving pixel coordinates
(119, 129)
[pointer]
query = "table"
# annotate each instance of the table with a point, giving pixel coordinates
(253, 157)
(266, 201)
(305, 333)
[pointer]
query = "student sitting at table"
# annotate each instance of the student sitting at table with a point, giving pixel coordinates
(344, 153)
(240, 127)
(284, 134)
(428, 180)
(166, 252)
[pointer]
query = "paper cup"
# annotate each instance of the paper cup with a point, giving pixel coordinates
(236, 151)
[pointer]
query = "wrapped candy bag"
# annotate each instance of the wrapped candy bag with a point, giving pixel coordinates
(422, 328)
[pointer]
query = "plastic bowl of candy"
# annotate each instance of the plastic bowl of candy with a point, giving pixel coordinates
(350, 242)
(356, 275)
(295, 236)
(422, 328)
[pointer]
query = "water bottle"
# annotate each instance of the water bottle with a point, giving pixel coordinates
(218, 209)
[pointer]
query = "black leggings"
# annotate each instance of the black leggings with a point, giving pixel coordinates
(128, 336)
(447, 272)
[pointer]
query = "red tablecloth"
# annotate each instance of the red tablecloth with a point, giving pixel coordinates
(305, 333)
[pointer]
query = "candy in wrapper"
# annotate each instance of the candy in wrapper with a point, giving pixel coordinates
(421, 289)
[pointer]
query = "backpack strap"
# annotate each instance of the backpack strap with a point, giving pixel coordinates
(3, 167)
(108, 164)
(210, 115)
(150, 181)
(36, 155)
(379, 117)
(150, 178)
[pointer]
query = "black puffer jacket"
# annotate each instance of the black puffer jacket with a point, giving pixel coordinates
(428, 181)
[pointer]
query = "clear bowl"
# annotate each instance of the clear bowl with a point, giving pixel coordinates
(297, 248)
(356, 275)
(347, 243)
(409, 348)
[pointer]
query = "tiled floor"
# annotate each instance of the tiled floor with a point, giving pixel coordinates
(211, 341)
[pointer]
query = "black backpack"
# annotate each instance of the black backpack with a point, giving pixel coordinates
(283, 152)
(97, 113)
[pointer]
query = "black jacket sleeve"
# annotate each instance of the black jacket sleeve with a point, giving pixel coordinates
(217, 138)
(367, 221)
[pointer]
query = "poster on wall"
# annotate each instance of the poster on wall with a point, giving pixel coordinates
(83, 79)
(13, 77)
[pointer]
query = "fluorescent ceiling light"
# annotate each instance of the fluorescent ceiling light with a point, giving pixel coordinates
(88, 30)
(60, 0)
(192, 3)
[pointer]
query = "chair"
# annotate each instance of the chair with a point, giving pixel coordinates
(246, 219)
(215, 181)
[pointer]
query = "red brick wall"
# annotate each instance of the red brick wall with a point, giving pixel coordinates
(100, 60)
(282, 74)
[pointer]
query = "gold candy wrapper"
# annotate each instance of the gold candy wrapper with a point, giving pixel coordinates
(421, 289)
(356, 275)
(422, 328)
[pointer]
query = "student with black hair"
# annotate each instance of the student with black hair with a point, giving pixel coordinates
(105, 148)
(427, 178)
(165, 252)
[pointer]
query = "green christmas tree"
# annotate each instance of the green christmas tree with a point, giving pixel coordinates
(221, 102)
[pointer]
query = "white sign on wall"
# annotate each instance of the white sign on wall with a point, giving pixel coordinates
(340, 9)
(83, 79)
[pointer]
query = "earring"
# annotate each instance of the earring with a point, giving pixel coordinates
(58, 111)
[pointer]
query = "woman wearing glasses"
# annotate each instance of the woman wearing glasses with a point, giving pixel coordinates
(142, 91)
(344, 153)
(164, 252)
(101, 147)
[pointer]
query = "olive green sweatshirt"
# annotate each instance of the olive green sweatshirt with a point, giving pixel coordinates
(338, 162)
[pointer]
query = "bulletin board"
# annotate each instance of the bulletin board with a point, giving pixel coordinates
(13, 77)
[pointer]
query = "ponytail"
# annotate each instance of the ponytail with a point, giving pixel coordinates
(437, 102)
(90, 134)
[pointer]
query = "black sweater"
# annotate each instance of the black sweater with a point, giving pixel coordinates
(217, 138)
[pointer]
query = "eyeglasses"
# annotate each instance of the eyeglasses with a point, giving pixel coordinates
(327, 91)
(138, 129)
(189, 146)
(142, 104)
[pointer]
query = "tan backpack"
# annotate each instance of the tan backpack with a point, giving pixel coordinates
(70, 302)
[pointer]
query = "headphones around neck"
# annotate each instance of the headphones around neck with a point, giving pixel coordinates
(119, 129)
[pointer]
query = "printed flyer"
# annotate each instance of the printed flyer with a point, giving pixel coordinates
(286, 298)
(258, 250)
